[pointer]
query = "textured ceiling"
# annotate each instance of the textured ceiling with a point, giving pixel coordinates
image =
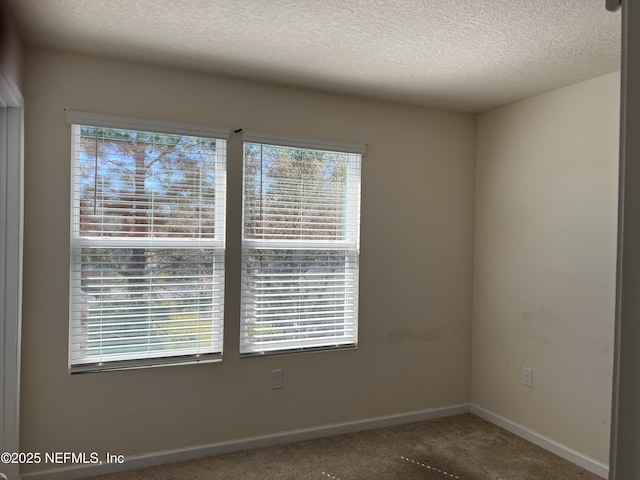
(457, 54)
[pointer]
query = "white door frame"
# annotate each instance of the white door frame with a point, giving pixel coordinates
(11, 228)
(624, 459)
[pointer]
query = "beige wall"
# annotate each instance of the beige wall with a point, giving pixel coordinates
(544, 262)
(416, 264)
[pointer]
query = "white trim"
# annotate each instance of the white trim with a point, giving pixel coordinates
(301, 142)
(191, 453)
(128, 123)
(11, 234)
(548, 444)
(11, 228)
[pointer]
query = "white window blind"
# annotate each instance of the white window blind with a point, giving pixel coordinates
(147, 243)
(300, 245)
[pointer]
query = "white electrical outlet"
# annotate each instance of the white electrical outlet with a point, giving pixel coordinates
(276, 379)
(527, 377)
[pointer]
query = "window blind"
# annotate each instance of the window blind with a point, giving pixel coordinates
(147, 244)
(300, 246)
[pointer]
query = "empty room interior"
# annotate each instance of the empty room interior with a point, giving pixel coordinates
(488, 210)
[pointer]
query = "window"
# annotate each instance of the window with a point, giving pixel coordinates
(300, 245)
(147, 243)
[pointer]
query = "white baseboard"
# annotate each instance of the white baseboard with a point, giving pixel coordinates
(552, 446)
(79, 472)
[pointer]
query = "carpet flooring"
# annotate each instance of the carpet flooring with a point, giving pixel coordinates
(463, 447)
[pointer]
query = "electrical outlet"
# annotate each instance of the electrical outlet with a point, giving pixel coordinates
(527, 377)
(276, 379)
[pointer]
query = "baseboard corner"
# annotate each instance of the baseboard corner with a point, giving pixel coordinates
(548, 444)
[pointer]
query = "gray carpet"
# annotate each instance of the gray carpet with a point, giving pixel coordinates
(464, 447)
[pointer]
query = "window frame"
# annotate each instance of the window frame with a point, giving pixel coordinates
(216, 244)
(350, 245)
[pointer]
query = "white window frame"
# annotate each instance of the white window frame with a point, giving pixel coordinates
(350, 244)
(217, 244)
